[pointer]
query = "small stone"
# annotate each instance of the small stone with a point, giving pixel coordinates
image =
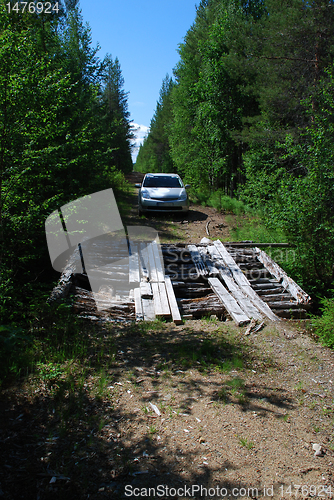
(317, 449)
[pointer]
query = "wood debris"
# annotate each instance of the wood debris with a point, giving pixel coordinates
(176, 281)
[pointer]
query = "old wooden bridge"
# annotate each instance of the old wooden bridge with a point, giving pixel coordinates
(180, 281)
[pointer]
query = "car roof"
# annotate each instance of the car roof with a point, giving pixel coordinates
(160, 174)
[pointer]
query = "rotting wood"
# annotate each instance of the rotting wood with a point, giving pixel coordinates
(229, 302)
(189, 284)
(64, 284)
(212, 269)
(176, 316)
(197, 260)
(288, 283)
(84, 304)
(291, 313)
(203, 306)
(243, 282)
(249, 309)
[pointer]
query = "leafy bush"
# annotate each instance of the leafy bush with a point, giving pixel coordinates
(324, 325)
(217, 200)
(224, 203)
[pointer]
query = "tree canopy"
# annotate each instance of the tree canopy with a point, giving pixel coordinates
(64, 133)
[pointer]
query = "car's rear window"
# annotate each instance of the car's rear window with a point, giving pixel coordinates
(167, 181)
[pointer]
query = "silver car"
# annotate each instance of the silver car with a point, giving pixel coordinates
(162, 193)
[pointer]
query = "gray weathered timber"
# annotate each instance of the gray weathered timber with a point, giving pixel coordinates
(212, 269)
(148, 309)
(152, 265)
(146, 290)
(176, 316)
(134, 267)
(158, 259)
(245, 304)
(243, 282)
(138, 305)
(144, 261)
(161, 305)
(288, 283)
(64, 284)
(197, 260)
(229, 302)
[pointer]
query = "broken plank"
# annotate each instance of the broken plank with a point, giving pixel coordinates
(245, 304)
(213, 271)
(138, 305)
(146, 290)
(229, 302)
(197, 260)
(243, 282)
(176, 316)
(281, 276)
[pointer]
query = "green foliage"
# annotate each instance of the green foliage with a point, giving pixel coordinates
(64, 133)
(218, 200)
(154, 153)
(324, 326)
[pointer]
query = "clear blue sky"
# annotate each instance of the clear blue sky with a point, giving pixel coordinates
(144, 35)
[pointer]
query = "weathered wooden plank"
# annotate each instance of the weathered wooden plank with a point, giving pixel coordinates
(243, 282)
(229, 302)
(249, 309)
(148, 309)
(271, 297)
(146, 290)
(161, 305)
(288, 283)
(286, 304)
(166, 312)
(245, 244)
(159, 266)
(156, 299)
(138, 305)
(143, 257)
(152, 265)
(176, 316)
(197, 260)
(134, 268)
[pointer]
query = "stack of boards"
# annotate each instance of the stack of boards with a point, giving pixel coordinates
(179, 281)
